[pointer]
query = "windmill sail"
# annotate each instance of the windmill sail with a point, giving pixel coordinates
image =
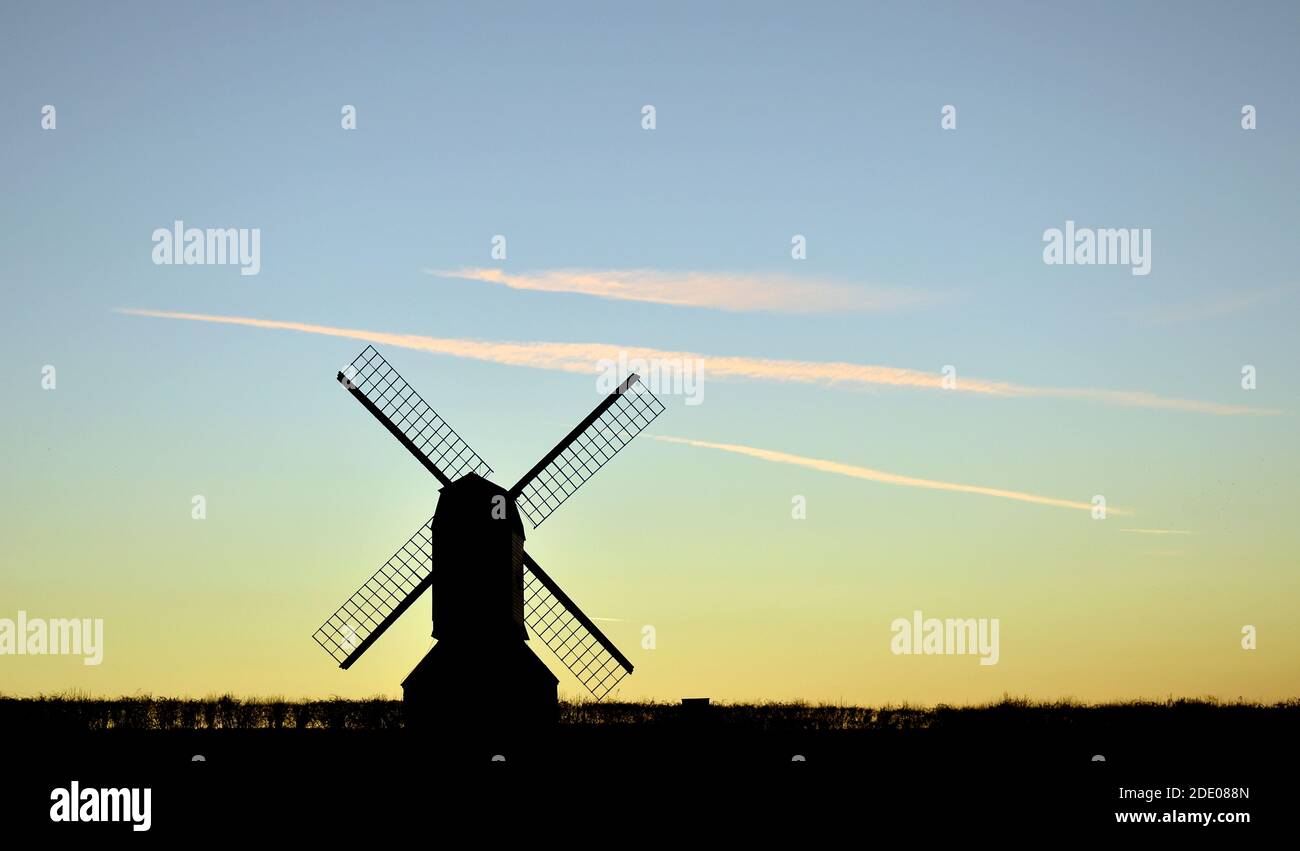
(379, 601)
(620, 417)
(571, 635)
(417, 426)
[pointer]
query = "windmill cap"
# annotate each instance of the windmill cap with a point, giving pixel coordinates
(473, 493)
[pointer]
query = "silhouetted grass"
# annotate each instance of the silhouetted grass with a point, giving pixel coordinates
(819, 717)
(72, 712)
(225, 712)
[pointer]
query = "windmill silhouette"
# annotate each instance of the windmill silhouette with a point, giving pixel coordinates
(488, 594)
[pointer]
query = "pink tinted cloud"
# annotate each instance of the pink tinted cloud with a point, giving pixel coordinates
(720, 290)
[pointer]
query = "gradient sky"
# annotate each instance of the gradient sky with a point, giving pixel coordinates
(924, 249)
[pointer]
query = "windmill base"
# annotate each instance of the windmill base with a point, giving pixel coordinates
(495, 688)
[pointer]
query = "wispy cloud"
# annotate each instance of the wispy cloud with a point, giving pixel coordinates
(720, 290)
(1159, 531)
(1212, 308)
(869, 474)
(585, 357)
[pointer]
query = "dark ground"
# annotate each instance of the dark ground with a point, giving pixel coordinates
(1005, 765)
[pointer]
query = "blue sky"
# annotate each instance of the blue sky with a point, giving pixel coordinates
(526, 122)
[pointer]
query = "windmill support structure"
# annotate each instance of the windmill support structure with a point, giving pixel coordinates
(459, 686)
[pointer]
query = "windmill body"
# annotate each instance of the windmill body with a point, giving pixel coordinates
(480, 673)
(478, 563)
(489, 594)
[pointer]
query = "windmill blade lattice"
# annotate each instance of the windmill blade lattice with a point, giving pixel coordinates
(412, 421)
(374, 606)
(572, 636)
(623, 415)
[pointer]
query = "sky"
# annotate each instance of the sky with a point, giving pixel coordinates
(775, 127)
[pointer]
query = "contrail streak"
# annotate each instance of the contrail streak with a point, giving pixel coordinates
(867, 473)
(585, 358)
